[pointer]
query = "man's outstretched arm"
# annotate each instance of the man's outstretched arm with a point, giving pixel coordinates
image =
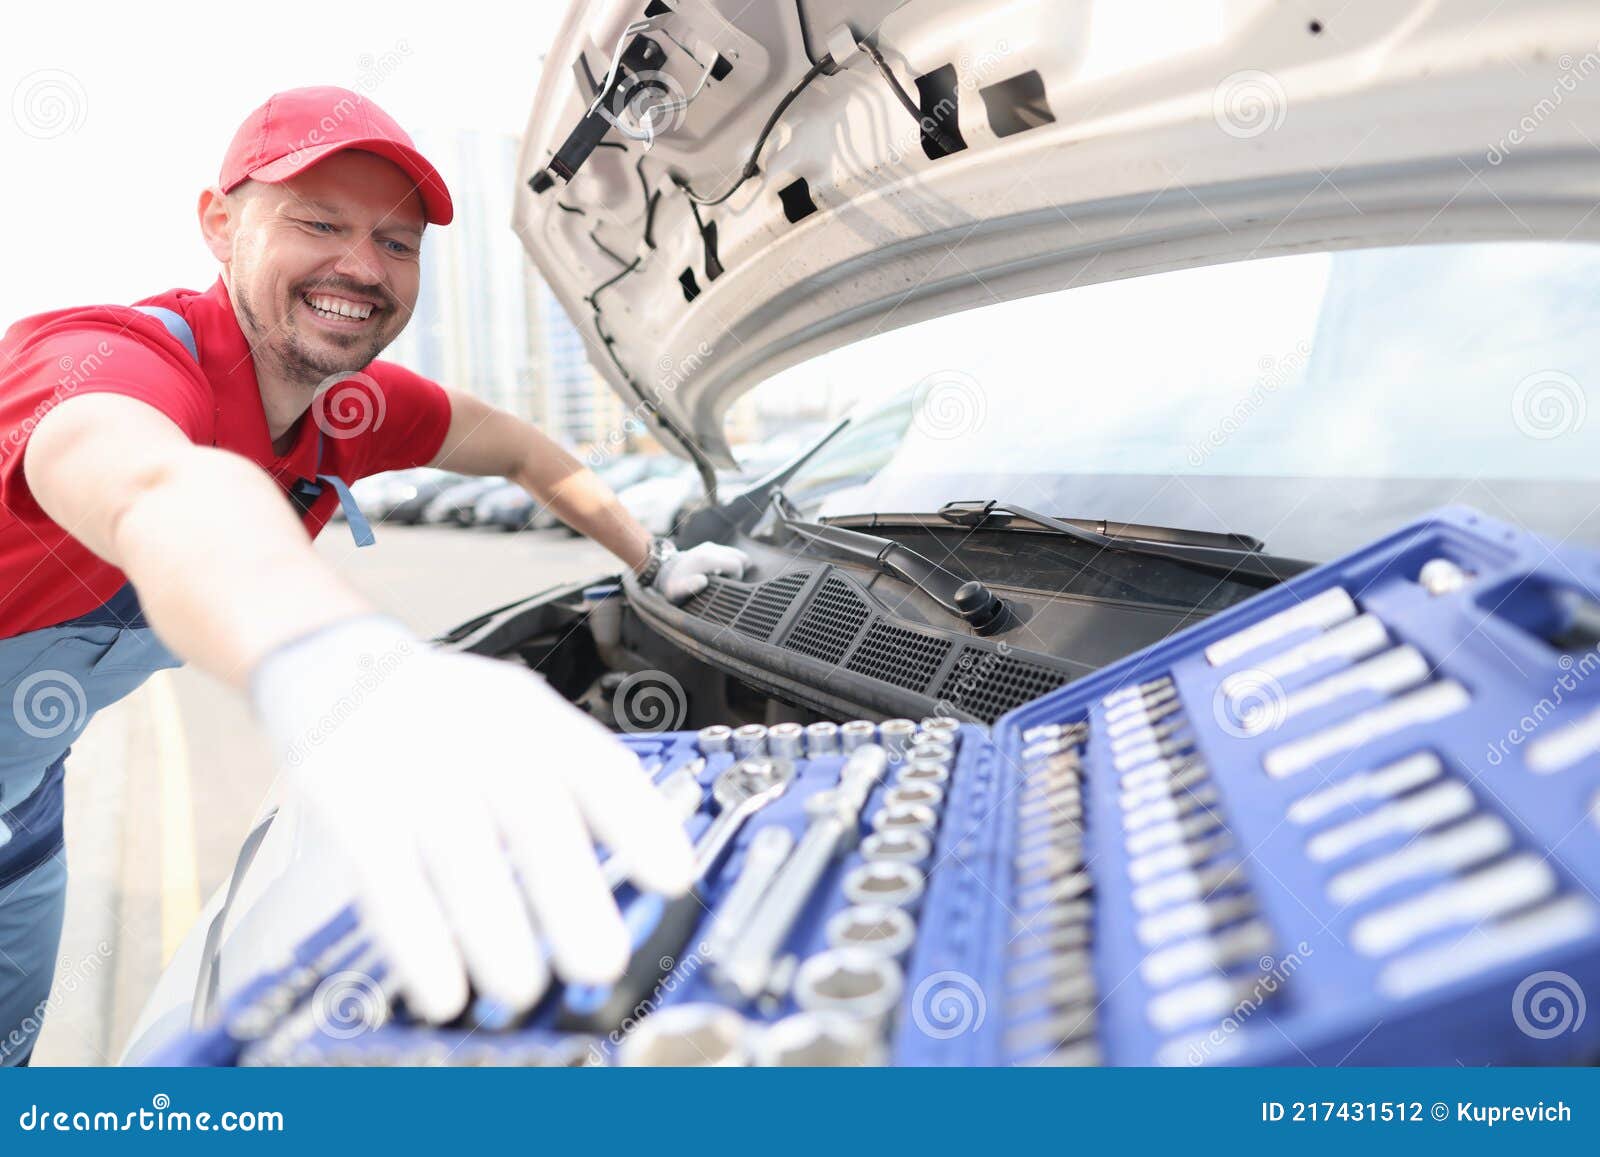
(486, 440)
(467, 845)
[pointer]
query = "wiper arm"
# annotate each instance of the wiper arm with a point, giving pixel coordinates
(1228, 554)
(967, 599)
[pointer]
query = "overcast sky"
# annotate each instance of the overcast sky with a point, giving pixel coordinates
(116, 115)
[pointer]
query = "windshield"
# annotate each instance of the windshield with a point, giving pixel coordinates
(1313, 401)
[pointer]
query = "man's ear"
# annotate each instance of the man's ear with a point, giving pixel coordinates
(216, 223)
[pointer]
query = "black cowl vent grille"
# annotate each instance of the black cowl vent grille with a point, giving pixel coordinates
(829, 623)
(986, 684)
(720, 602)
(769, 603)
(895, 655)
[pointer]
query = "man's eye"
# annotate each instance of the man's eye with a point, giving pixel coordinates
(318, 226)
(399, 248)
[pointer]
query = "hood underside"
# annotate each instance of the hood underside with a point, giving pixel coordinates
(1055, 143)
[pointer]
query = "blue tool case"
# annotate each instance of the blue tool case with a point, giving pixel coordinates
(1355, 819)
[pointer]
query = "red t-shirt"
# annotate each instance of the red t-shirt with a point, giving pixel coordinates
(387, 418)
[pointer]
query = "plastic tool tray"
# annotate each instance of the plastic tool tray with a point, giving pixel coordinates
(1355, 820)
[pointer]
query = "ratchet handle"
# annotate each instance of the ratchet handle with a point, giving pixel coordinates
(658, 931)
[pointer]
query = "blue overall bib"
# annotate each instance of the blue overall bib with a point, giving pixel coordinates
(52, 681)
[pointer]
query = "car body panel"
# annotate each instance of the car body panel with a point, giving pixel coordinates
(1148, 147)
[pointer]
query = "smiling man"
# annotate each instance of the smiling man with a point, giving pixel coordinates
(162, 472)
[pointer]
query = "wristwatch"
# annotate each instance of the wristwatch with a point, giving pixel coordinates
(660, 551)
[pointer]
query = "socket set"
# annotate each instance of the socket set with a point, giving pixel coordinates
(1353, 820)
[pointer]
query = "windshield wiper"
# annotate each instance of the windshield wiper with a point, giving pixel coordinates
(966, 598)
(1230, 554)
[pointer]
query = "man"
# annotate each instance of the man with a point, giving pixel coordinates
(160, 469)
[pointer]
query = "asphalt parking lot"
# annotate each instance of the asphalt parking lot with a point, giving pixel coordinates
(162, 787)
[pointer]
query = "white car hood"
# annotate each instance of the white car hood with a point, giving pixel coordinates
(1175, 134)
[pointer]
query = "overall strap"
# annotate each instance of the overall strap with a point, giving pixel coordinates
(178, 326)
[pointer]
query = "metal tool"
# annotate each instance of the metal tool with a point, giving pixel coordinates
(1482, 895)
(895, 735)
(1441, 576)
(1124, 694)
(767, 851)
(784, 740)
(899, 845)
(1427, 704)
(857, 733)
(833, 828)
(660, 928)
(714, 739)
(884, 882)
(1410, 814)
(917, 770)
(909, 793)
(1361, 636)
(688, 1035)
(1203, 954)
(819, 1040)
(913, 817)
(1381, 783)
(1331, 607)
(1172, 832)
(1193, 919)
(1467, 844)
(750, 739)
(876, 927)
(822, 738)
(854, 981)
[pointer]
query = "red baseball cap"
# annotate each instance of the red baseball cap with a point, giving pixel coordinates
(296, 129)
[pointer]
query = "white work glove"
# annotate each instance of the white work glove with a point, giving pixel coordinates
(684, 574)
(467, 796)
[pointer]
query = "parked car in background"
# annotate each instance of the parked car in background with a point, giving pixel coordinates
(506, 507)
(457, 504)
(425, 486)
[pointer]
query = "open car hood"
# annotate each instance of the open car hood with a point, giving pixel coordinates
(1059, 142)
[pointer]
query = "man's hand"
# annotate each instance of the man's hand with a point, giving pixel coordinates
(684, 574)
(468, 797)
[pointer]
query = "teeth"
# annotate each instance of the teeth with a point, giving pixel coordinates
(340, 307)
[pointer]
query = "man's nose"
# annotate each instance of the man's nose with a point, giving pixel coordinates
(362, 262)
